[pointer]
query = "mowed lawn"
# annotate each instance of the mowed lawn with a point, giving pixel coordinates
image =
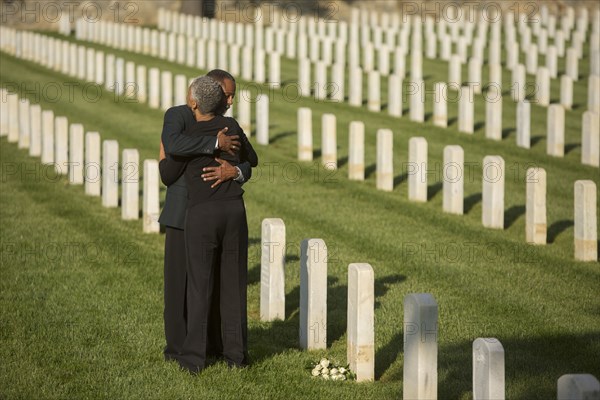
(81, 291)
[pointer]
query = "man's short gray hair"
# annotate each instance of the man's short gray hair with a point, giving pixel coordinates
(207, 93)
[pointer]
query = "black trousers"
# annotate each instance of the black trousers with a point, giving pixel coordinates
(216, 235)
(175, 311)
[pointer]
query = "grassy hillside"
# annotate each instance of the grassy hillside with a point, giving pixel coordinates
(81, 290)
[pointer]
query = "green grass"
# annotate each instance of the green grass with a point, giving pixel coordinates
(81, 290)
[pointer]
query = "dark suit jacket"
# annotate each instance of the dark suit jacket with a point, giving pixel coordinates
(178, 119)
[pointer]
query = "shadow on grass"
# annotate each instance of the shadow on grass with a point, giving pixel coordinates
(513, 214)
(559, 355)
(370, 170)
(342, 161)
(280, 136)
(278, 336)
(571, 146)
(557, 228)
(478, 126)
(433, 190)
(507, 132)
(399, 179)
(535, 139)
(471, 201)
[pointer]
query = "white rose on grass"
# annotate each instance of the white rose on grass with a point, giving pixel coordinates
(316, 372)
(324, 363)
(342, 370)
(325, 371)
(333, 371)
(342, 377)
(318, 367)
(326, 377)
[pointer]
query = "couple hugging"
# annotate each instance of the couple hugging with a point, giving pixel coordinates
(205, 158)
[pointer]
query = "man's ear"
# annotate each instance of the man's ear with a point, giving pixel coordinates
(193, 105)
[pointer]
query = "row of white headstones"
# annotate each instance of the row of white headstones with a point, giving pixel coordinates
(65, 150)
(240, 60)
(420, 324)
(415, 90)
(453, 176)
(302, 36)
(493, 186)
(424, 300)
(62, 148)
(285, 36)
(160, 89)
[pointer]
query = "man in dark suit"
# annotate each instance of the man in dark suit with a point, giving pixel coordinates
(176, 120)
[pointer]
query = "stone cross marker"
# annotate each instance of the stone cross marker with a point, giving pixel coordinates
(313, 294)
(361, 321)
(488, 369)
(492, 211)
(420, 347)
(535, 211)
(272, 278)
(586, 221)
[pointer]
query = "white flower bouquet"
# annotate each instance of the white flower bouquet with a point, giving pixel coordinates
(328, 370)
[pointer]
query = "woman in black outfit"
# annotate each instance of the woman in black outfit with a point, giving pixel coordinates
(216, 235)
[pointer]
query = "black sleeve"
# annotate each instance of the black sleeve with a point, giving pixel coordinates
(176, 143)
(246, 170)
(247, 151)
(171, 170)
